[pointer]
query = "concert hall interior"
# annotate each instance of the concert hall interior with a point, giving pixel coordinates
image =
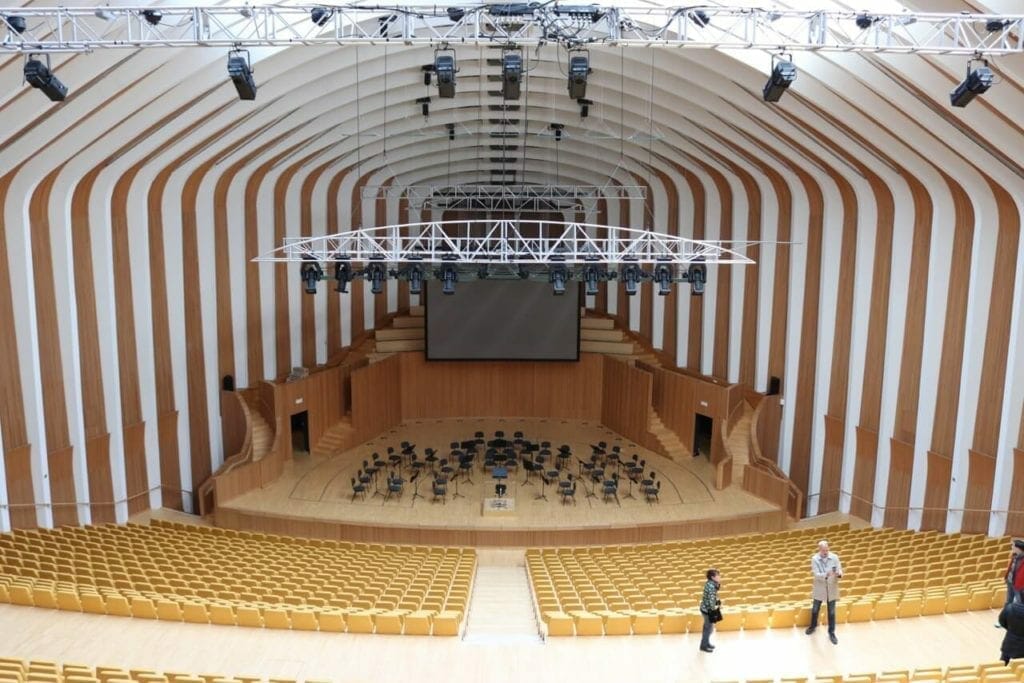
(503, 324)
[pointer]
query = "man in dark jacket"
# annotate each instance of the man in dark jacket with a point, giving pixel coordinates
(1012, 619)
(1015, 571)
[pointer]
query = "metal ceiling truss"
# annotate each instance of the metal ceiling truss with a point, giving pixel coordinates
(83, 29)
(485, 242)
(519, 197)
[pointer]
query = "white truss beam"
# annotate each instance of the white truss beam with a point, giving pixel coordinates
(484, 197)
(483, 242)
(82, 29)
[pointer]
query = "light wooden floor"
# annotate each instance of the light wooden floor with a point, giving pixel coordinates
(944, 640)
(321, 488)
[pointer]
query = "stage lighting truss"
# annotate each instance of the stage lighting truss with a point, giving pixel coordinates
(83, 29)
(484, 242)
(519, 197)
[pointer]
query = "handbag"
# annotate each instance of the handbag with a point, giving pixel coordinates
(715, 615)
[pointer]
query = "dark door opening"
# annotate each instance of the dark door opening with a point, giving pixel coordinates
(300, 433)
(702, 428)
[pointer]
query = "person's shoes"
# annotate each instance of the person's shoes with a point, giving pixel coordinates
(832, 637)
(998, 625)
(707, 649)
(810, 630)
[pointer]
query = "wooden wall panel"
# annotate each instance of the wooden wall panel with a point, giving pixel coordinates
(863, 474)
(601, 300)
(101, 487)
(62, 487)
(335, 223)
(832, 464)
(12, 407)
(980, 481)
(20, 494)
(55, 415)
(694, 326)
(997, 333)
(495, 389)
(678, 398)
(947, 398)
(626, 395)
(901, 470)
(127, 353)
(377, 394)
(170, 475)
(222, 261)
(936, 496)
(137, 483)
(723, 303)
(1015, 517)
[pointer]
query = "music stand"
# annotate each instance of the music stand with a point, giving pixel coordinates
(415, 479)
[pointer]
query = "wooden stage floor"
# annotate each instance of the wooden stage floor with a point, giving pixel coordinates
(319, 490)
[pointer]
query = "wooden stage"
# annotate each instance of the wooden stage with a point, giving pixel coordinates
(313, 497)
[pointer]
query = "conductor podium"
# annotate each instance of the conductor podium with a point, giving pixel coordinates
(499, 507)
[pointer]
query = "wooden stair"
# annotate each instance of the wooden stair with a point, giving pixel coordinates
(737, 443)
(262, 435)
(670, 443)
(338, 438)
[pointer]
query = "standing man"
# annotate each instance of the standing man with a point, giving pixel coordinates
(1015, 572)
(827, 571)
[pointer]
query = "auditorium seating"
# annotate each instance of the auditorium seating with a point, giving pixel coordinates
(766, 580)
(13, 670)
(178, 572)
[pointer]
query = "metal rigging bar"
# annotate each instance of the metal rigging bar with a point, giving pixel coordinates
(83, 29)
(483, 242)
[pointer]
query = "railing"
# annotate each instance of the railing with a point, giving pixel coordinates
(764, 479)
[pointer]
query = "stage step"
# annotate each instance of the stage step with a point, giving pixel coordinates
(671, 443)
(501, 608)
(408, 321)
(377, 357)
(393, 333)
(624, 348)
(597, 323)
(592, 334)
(417, 311)
(737, 444)
(335, 440)
(400, 345)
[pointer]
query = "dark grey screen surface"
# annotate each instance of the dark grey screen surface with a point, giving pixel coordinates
(502, 320)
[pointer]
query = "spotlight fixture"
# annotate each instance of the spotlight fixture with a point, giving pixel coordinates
(444, 67)
(104, 13)
(321, 15)
(451, 131)
(245, 11)
(557, 276)
(240, 71)
(783, 75)
(39, 76)
(511, 74)
(992, 25)
(16, 23)
(424, 103)
(448, 276)
(663, 276)
(700, 17)
(579, 69)
(415, 280)
(865, 21)
(152, 16)
(631, 276)
(311, 273)
(557, 128)
(584, 107)
(696, 275)
(456, 13)
(978, 81)
(591, 276)
(342, 276)
(376, 275)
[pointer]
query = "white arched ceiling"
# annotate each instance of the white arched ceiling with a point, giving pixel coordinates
(181, 184)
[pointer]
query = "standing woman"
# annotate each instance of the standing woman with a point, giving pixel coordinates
(708, 603)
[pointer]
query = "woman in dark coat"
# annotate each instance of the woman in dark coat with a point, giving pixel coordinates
(1012, 619)
(709, 602)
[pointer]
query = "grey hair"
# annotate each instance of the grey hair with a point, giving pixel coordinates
(821, 543)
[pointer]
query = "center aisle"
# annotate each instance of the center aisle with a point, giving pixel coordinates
(501, 608)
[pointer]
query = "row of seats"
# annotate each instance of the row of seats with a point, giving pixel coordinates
(13, 670)
(655, 588)
(207, 575)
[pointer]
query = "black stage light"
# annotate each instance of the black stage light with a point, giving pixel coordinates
(311, 273)
(424, 103)
(240, 72)
(700, 17)
(579, 69)
(456, 13)
(591, 276)
(663, 276)
(697, 274)
(448, 276)
(557, 276)
(40, 77)
(342, 276)
(584, 107)
(511, 75)
(444, 67)
(17, 24)
(376, 274)
(864, 21)
(321, 15)
(978, 81)
(451, 130)
(415, 280)
(152, 16)
(783, 75)
(631, 276)
(992, 25)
